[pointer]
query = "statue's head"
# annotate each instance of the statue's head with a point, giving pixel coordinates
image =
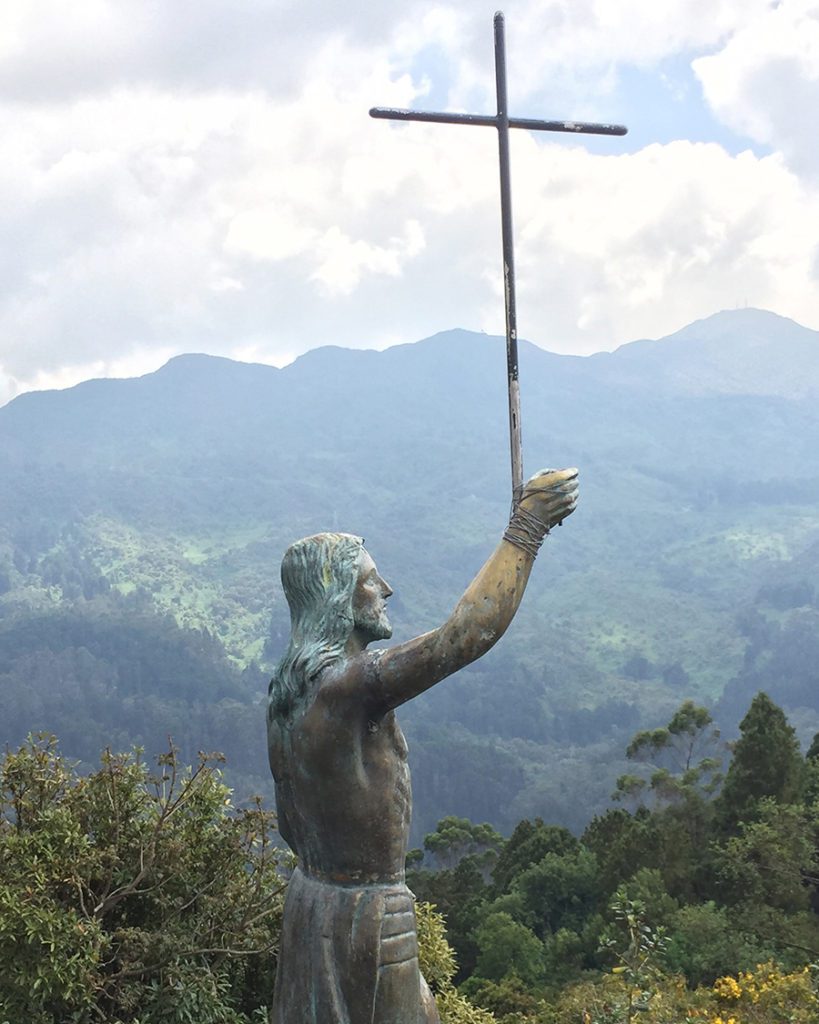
(370, 618)
(333, 589)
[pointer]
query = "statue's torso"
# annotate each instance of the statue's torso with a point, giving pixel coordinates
(343, 791)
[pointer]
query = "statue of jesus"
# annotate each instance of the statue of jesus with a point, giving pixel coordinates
(349, 950)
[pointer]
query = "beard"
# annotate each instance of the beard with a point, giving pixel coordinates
(375, 625)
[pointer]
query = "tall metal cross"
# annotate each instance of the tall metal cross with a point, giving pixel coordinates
(503, 122)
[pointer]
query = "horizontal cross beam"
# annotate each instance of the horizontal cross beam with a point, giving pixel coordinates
(532, 124)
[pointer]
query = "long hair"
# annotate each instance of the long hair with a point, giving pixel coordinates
(319, 576)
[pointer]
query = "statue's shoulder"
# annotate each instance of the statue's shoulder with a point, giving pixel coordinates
(349, 681)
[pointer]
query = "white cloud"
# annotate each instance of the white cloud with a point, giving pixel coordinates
(269, 232)
(566, 53)
(343, 260)
(204, 176)
(53, 51)
(627, 246)
(764, 82)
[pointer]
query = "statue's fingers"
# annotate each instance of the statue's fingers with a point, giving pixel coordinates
(551, 513)
(563, 484)
(565, 503)
(565, 499)
(557, 475)
(557, 489)
(558, 494)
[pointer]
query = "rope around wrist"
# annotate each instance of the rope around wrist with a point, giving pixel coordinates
(526, 531)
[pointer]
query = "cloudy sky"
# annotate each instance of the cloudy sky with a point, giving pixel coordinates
(202, 175)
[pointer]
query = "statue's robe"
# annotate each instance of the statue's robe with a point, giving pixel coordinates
(349, 955)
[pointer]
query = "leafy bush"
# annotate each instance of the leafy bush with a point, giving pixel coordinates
(130, 896)
(438, 966)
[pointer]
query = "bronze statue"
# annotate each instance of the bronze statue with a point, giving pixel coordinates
(349, 951)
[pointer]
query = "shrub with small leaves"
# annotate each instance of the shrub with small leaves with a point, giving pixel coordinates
(438, 966)
(638, 949)
(131, 896)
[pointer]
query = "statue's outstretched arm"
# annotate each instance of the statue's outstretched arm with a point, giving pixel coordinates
(483, 613)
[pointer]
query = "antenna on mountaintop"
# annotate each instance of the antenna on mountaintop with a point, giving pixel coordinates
(503, 122)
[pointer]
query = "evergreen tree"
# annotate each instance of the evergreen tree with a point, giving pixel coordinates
(766, 763)
(810, 779)
(623, 843)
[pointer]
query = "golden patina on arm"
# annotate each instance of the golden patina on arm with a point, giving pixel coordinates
(483, 614)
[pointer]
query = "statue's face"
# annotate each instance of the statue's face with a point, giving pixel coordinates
(370, 601)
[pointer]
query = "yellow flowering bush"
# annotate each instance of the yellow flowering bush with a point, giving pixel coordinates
(768, 995)
(727, 988)
(606, 1001)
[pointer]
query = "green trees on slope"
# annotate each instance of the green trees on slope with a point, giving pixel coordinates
(721, 885)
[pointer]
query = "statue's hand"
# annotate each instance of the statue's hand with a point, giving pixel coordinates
(551, 495)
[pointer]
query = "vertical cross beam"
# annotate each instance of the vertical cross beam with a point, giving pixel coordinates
(503, 122)
(508, 244)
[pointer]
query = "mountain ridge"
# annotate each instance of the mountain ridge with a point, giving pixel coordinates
(744, 351)
(168, 500)
(756, 325)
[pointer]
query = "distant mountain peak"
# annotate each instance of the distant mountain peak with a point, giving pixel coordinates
(736, 351)
(754, 324)
(192, 359)
(199, 362)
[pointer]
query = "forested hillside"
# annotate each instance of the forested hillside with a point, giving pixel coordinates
(142, 523)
